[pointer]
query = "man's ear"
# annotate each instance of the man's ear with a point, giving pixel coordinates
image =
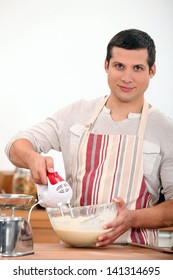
(106, 65)
(153, 71)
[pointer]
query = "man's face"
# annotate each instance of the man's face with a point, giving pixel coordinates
(128, 73)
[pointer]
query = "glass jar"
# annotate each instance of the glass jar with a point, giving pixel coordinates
(23, 183)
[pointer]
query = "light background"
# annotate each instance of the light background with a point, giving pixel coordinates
(52, 52)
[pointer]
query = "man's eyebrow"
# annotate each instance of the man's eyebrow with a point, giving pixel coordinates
(117, 62)
(140, 65)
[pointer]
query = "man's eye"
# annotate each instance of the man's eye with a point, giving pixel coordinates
(119, 66)
(138, 68)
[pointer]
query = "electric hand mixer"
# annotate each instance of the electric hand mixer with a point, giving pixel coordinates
(56, 194)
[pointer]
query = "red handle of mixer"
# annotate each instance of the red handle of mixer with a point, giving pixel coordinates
(54, 177)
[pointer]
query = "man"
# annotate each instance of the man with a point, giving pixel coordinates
(116, 148)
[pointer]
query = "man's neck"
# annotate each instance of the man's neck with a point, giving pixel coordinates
(120, 110)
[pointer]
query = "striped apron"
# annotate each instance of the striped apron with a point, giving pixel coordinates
(108, 166)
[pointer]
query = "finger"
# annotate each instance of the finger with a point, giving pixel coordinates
(49, 164)
(120, 203)
(111, 224)
(113, 233)
(102, 241)
(108, 238)
(40, 177)
(43, 177)
(39, 172)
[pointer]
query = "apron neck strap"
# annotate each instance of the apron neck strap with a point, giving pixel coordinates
(92, 120)
(143, 121)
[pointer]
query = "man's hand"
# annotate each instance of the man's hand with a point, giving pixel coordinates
(39, 166)
(119, 225)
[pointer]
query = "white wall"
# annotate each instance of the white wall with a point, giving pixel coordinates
(52, 52)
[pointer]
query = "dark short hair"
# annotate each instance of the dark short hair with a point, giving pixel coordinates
(133, 39)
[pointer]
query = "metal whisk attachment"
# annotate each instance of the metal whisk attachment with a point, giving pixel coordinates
(63, 196)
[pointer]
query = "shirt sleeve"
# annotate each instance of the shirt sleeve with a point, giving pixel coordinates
(43, 136)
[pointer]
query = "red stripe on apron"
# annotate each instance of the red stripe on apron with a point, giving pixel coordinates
(100, 168)
(90, 169)
(143, 196)
(136, 234)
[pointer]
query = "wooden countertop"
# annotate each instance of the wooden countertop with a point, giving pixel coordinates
(60, 251)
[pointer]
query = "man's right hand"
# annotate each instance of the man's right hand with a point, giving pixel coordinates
(39, 166)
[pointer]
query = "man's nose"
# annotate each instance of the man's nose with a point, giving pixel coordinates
(126, 77)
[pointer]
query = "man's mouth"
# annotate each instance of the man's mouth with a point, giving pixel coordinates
(126, 89)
